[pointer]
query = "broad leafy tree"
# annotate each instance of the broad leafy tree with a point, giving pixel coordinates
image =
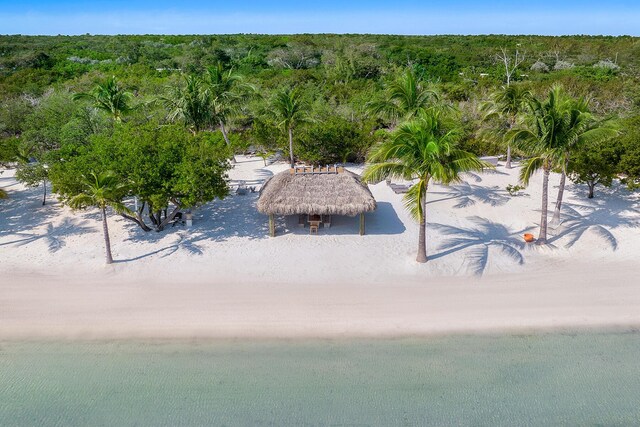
(595, 163)
(629, 142)
(167, 169)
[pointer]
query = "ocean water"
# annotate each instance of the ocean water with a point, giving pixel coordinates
(554, 379)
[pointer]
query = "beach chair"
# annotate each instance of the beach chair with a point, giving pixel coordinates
(399, 188)
(313, 229)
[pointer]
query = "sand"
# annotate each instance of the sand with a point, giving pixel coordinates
(224, 277)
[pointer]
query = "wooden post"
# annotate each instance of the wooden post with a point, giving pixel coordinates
(272, 226)
(362, 224)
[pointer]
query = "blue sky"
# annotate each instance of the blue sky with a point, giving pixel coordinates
(548, 17)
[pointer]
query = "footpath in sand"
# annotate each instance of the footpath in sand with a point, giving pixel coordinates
(224, 277)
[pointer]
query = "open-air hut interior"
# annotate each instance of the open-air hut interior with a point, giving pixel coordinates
(314, 194)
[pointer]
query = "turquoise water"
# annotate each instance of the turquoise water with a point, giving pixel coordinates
(581, 379)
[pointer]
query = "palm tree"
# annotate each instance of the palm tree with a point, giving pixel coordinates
(581, 130)
(555, 128)
(423, 149)
(544, 138)
(102, 190)
(228, 92)
(405, 97)
(291, 110)
(191, 104)
(506, 104)
(109, 97)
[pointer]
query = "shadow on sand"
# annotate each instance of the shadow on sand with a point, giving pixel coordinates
(24, 220)
(220, 220)
(477, 240)
(611, 209)
(468, 195)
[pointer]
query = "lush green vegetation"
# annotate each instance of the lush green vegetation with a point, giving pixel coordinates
(142, 108)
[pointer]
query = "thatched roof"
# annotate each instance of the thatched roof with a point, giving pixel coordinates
(289, 193)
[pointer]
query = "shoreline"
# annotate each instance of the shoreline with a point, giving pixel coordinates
(109, 307)
(225, 278)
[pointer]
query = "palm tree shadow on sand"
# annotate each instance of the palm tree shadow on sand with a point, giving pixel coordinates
(470, 194)
(477, 240)
(609, 212)
(53, 235)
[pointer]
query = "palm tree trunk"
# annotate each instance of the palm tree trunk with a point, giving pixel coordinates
(107, 241)
(512, 123)
(226, 139)
(542, 237)
(563, 178)
(44, 196)
(591, 185)
(291, 147)
(422, 237)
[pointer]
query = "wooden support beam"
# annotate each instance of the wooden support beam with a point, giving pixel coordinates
(272, 226)
(362, 224)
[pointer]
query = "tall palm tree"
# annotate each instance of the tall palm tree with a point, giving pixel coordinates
(423, 149)
(405, 97)
(190, 104)
(109, 97)
(102, 190)
(506, 104)
(291, 110)
(555, 128)
(582, 129)
(545, 139)
(228, 93)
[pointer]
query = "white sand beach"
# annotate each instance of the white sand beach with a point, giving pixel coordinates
(224, 277)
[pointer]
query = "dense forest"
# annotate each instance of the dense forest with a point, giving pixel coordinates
(165, 114)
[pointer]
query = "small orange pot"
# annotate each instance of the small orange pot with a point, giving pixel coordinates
(528, 237)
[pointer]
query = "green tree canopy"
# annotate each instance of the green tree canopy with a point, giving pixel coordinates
(162, 165)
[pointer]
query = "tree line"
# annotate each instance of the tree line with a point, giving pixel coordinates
(167, 137)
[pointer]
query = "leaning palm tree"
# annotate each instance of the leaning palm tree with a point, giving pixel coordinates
(291, 110)
(102, 190)
(506, 104)
(191, 104)
(109, 97)
(405, 97)
(423, 149)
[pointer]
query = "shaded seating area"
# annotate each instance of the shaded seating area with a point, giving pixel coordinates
(315, 194)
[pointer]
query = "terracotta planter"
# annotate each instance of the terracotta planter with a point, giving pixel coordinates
(528, 237)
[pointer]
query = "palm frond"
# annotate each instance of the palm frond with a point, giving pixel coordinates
(529, 168)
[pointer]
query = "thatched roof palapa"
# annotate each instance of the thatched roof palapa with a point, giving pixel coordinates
(291, 193)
